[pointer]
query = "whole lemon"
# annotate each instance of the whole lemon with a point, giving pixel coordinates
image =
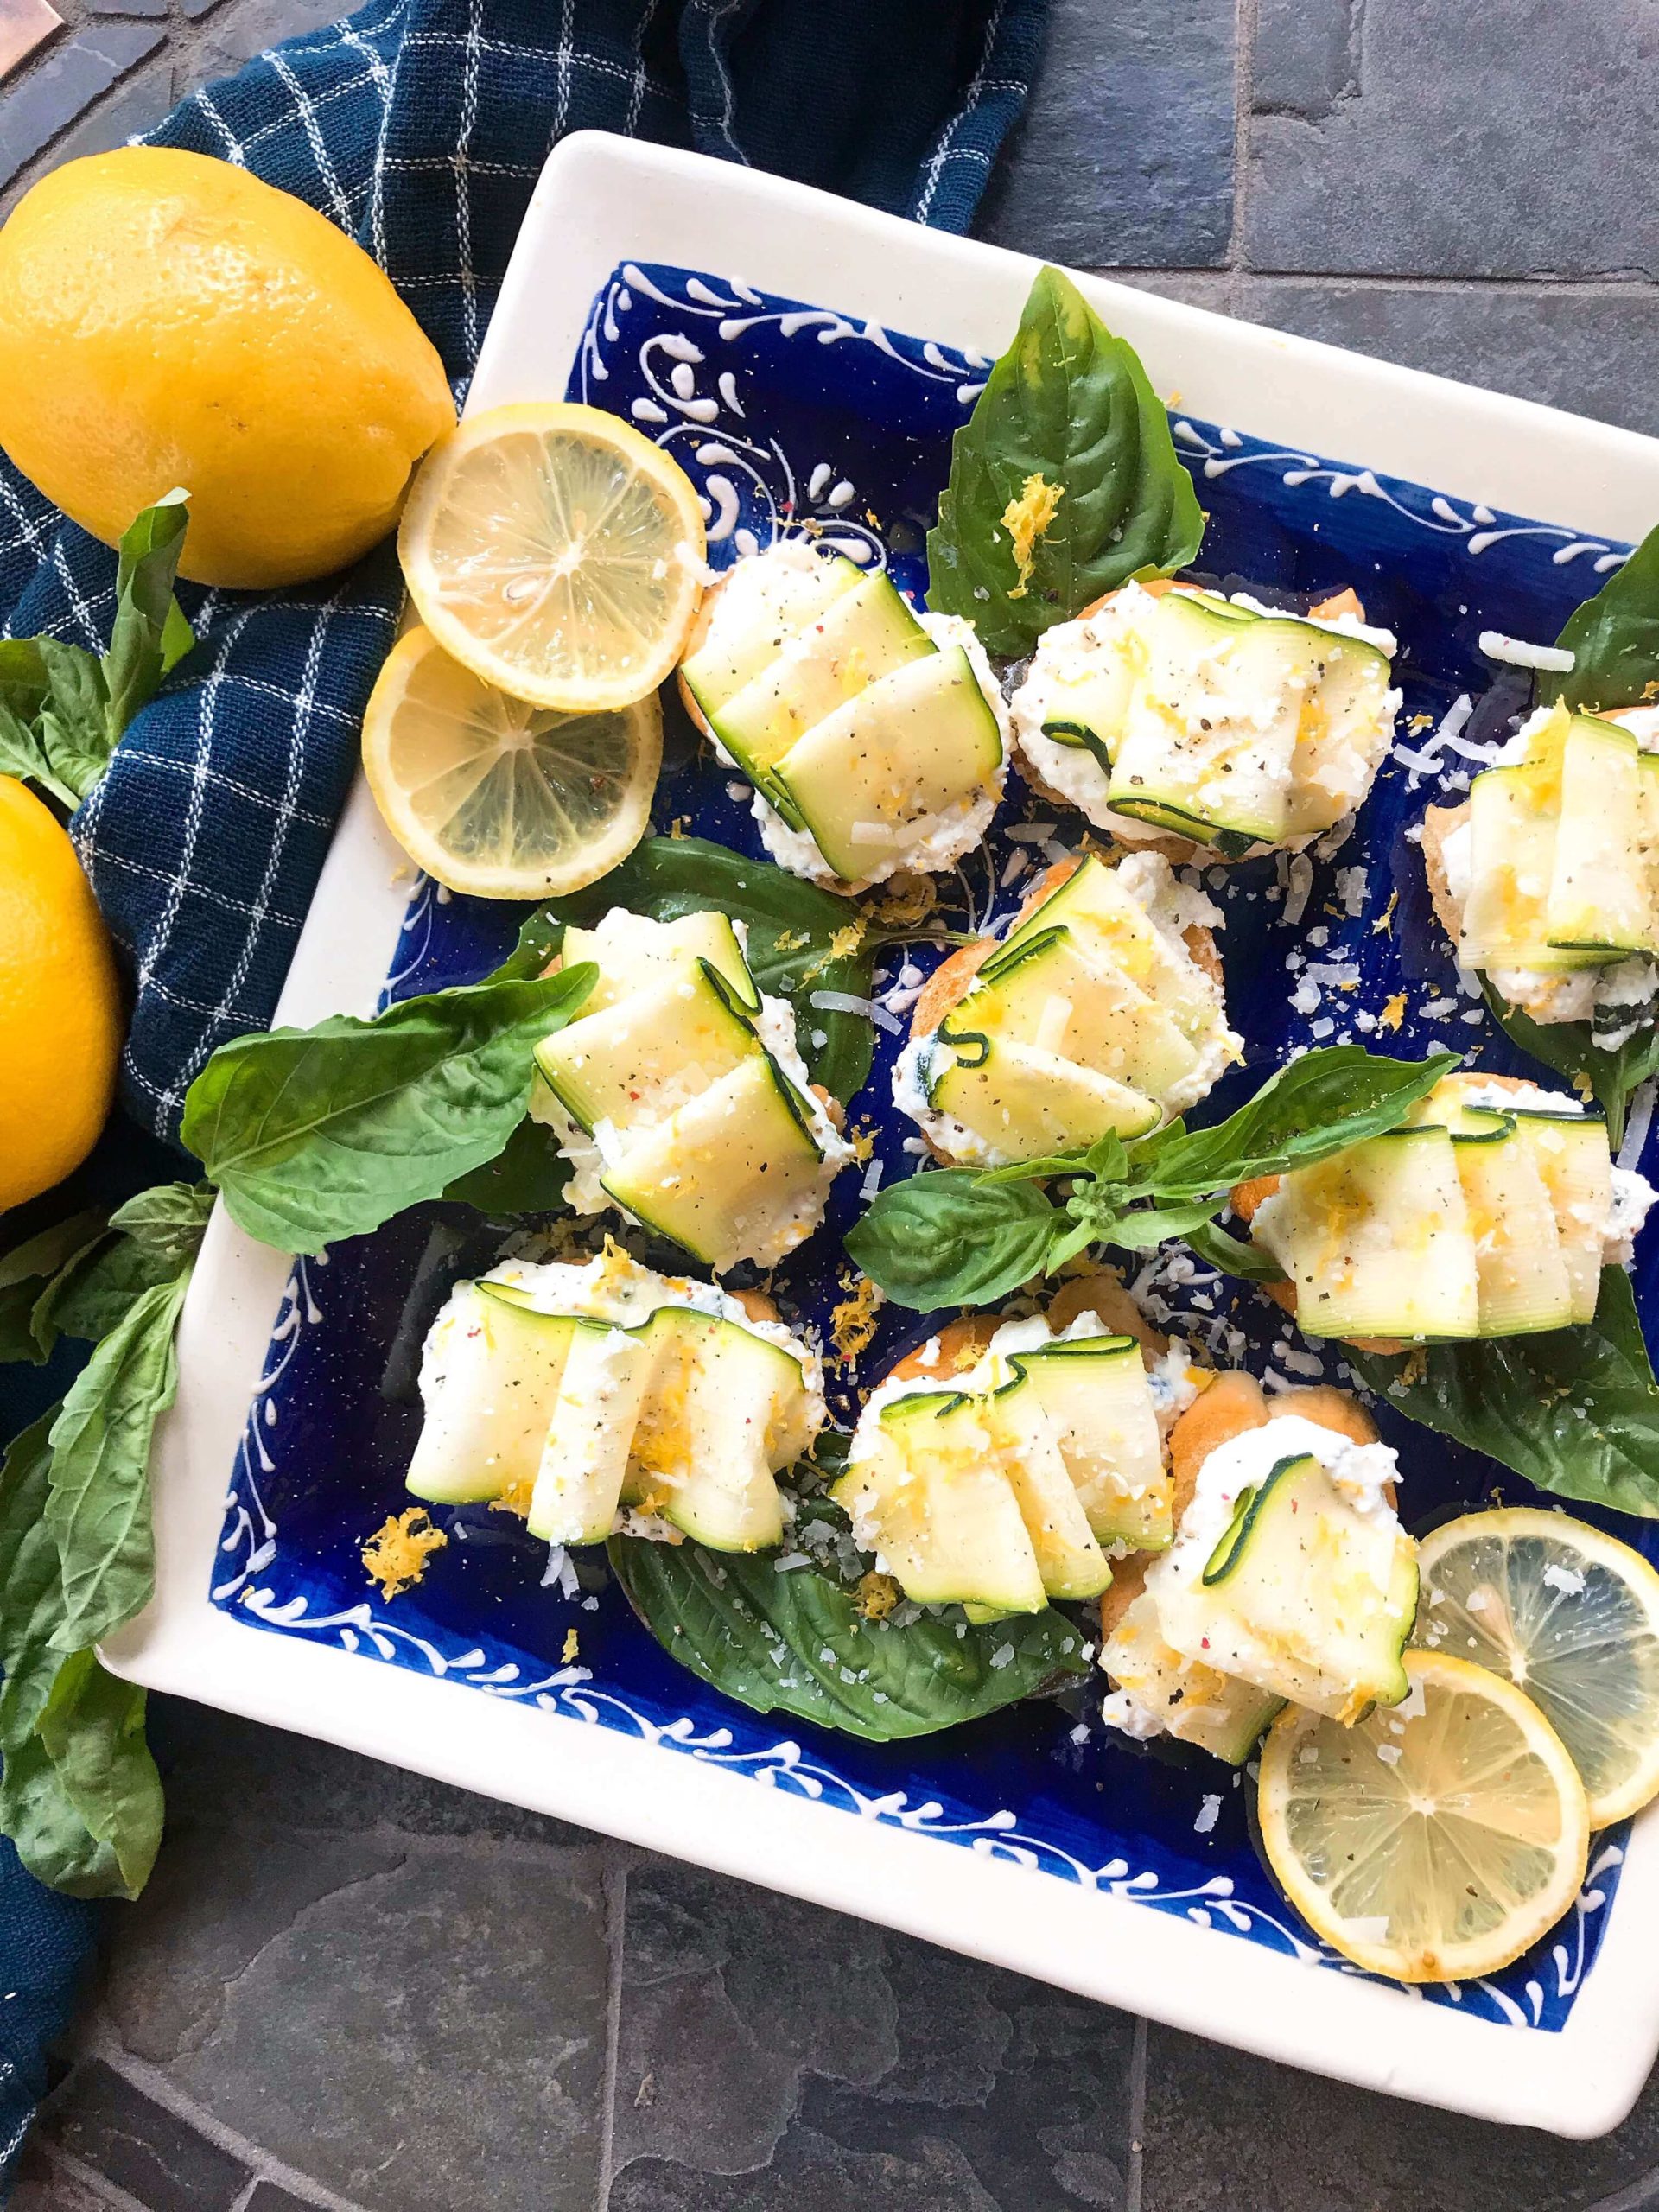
(60, 1004)
(167, 320)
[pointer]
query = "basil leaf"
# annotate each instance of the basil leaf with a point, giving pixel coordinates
(155, 1235)
(1071, 404)
(528, 1176)
(168, 1221)
(1576, 1411)
(313, 1134)
(52, 1839)
(92, 1731)
(1213, 1245)
(1614, 639)
(1138, 1231)
(98, 1506)
(149, 634)
(1332, 1097)
(796, 1643)
(28, 1271)
(74, 723)
(1569, 1048)
(792, 928)
(944, 1238)
(23, 755)
(63, 712)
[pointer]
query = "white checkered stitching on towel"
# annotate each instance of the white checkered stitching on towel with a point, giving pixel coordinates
(945, 151)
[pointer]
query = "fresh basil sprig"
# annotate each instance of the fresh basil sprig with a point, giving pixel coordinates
(1613, 639)
(791, 926)
(962, 1236)
(796, 1642)
(1576, 1411)
(312, 1135)
(62, 710)
(99, 1508)
(27, 1273)
(92, 1839)
(80, 1796)
(1071, 404)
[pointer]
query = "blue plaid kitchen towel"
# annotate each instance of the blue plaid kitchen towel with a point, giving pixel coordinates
(420, 127)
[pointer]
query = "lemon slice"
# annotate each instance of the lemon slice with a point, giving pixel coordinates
(1571, 1616)
(556, 553)
(1435, 1840)
(498, 798)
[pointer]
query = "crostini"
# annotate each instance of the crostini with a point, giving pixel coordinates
(593, 1396)
(1491, 1212)
(1100, 1010)
(1289, 1578)
(875, 737)
(1546, 878)
(1168, 711)
(679, 1097)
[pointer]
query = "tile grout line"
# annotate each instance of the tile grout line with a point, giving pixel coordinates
(1543, 285)
(615, 1880)
(158, 2086)
(1133, 2166)
(1243, 92)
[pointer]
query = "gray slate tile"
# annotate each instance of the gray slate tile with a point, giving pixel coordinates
(43, 2186)
(1124, 155)
(773, 2057)
(1224, 2132)
(1589, 352)
(416, 2023)
(113, 2127)
(267, 2197)
(137, 106)
(66, 83)
(1414, 137)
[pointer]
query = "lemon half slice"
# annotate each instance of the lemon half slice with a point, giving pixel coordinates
(1571, 1618)
(556, 553)
(1435, 1840)
(498, 798)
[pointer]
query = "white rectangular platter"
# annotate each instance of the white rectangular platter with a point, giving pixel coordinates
(600, 201)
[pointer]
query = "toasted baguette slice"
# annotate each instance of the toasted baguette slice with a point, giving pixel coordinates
(949, 983)
(1234, 1402)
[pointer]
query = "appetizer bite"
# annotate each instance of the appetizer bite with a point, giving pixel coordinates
(1167, 710)
(1547, 878)
(1004, 1465)
(875, 736)
(1490, 1213)
(1101, 1011)
(679, 1095)
(603, 1396)
(1289, 1580)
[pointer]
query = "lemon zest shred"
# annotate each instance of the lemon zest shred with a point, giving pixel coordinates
(1393, 1013)
(396, 1556)
(841, 946)
(852, 1323)
(1384, 925)
(572, 1646)
(877, 1595)
(1027, 519)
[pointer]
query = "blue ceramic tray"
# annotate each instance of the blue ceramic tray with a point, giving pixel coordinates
(788, 417)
